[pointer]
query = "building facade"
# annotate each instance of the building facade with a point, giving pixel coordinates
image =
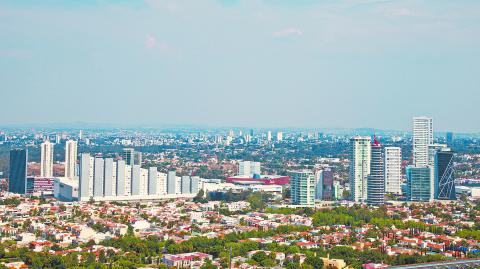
(71, 159)
(360, 154)
(376, 178)
(17, 181)
(46, 159)
(302, 188)
(422, 138)
(324, 185)
(393, 170)
(444, 175)
(418, 184)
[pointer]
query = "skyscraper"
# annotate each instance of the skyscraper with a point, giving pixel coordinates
(129, 156)
(393, 170)
(302, 188)
(171, 182)
(85, 183)
(269, 136)
(186, 184)
(422, 138)
(70, 158)
(324, 185)
(279, 136)
(17, 182)
(360, 151)
(46, 159)
(444, 175)
(418, 184)
(376, 178)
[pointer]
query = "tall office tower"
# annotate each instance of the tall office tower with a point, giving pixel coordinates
(269, 136)
(302, 188)
(121, 178)
(153, 181)
(186, 184)
(138, 158)
(360, 154)
(85, 185)
(129, 156)
(46, 159)
(422, 138)
(135, 180)
(418, 184)
(80, 135)
(251, 132)
(143, 181)
(248, 168)
(58, 138)
(70, 159)
(17, 180)
(98, 176)
(324, 185)
(109, 174)
(194, 184)
(449, 138)
(231, 133)
(393, 170)
(444, 175)
(171, 182)
(279, 136)
(376, 178)
(432, 151)
(248, 138)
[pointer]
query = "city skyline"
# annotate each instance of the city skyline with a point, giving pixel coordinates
(270, 63)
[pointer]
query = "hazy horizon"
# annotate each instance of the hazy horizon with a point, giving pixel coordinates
(261, 63)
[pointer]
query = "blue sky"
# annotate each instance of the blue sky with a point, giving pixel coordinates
(258, 63)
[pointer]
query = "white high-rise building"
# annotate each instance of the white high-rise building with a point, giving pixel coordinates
(360, 154)
(46, 159)
(279, 136)
(422, 138)
(269, 136)
(70, 159)
(248, 168)
(393, 170)
(302, 188)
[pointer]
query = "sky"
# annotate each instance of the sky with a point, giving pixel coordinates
(251, 63)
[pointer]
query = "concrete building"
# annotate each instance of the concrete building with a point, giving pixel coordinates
(422, 138)
(360, 154)
(70, 159)
(46, 159)
(186, 184)
(302, 188)
(17, 182)
(393, 170)
(248, 168)
(171, 182)
(376, 178)
(153, 187)
(85, 186)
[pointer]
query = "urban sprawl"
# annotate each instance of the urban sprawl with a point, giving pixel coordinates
(239, 198)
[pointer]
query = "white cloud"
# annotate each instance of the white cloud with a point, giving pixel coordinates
(289, 31)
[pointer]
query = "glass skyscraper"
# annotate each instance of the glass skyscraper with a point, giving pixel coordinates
(302, 188)
(444, 175)
(17, 182)
(418, 183)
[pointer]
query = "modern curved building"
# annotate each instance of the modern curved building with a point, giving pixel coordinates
(376, 178)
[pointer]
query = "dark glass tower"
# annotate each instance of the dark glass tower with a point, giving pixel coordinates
(376, 178)
(17, 182)
(444, 176)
